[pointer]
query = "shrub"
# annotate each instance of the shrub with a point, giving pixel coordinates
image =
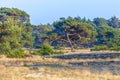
(4, 48)
(98, 48)
(116, 48)
(46, 50)
(16, 54)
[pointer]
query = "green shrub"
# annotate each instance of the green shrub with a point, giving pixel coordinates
(46, 50)
(116, 48)
(98, 48)
(5, 48)
(16, 54)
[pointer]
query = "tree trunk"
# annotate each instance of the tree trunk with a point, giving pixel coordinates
(69, 41)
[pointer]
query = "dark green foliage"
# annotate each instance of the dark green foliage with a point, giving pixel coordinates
(74, 31)
(9, 37)
(80, 32)
(114, 22)
(21, 20)
(100, 22)
(18, 15)
(105, 34)
(42, 33)
(15, 32)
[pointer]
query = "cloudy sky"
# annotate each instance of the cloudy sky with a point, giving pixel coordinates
(47, 11)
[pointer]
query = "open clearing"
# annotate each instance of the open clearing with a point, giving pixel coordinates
(90, 66)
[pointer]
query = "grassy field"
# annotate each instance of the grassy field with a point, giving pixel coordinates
(39, 68)
(25, 73)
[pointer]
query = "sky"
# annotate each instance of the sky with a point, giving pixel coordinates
(48, 11)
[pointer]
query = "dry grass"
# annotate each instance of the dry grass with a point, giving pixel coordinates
(86, 51)
(91, 60)
(24, 73)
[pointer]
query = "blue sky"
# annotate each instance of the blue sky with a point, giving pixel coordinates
(47, 11)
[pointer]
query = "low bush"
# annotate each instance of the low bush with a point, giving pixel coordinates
(46, 50)
(116, 48)
(98, 48)
(113, 48)
(16, 54)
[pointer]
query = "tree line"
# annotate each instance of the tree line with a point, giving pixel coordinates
(79, 32)
(17, 32)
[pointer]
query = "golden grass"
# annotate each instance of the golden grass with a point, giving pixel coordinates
(38, 59)
(86, 51)
(24, 73)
